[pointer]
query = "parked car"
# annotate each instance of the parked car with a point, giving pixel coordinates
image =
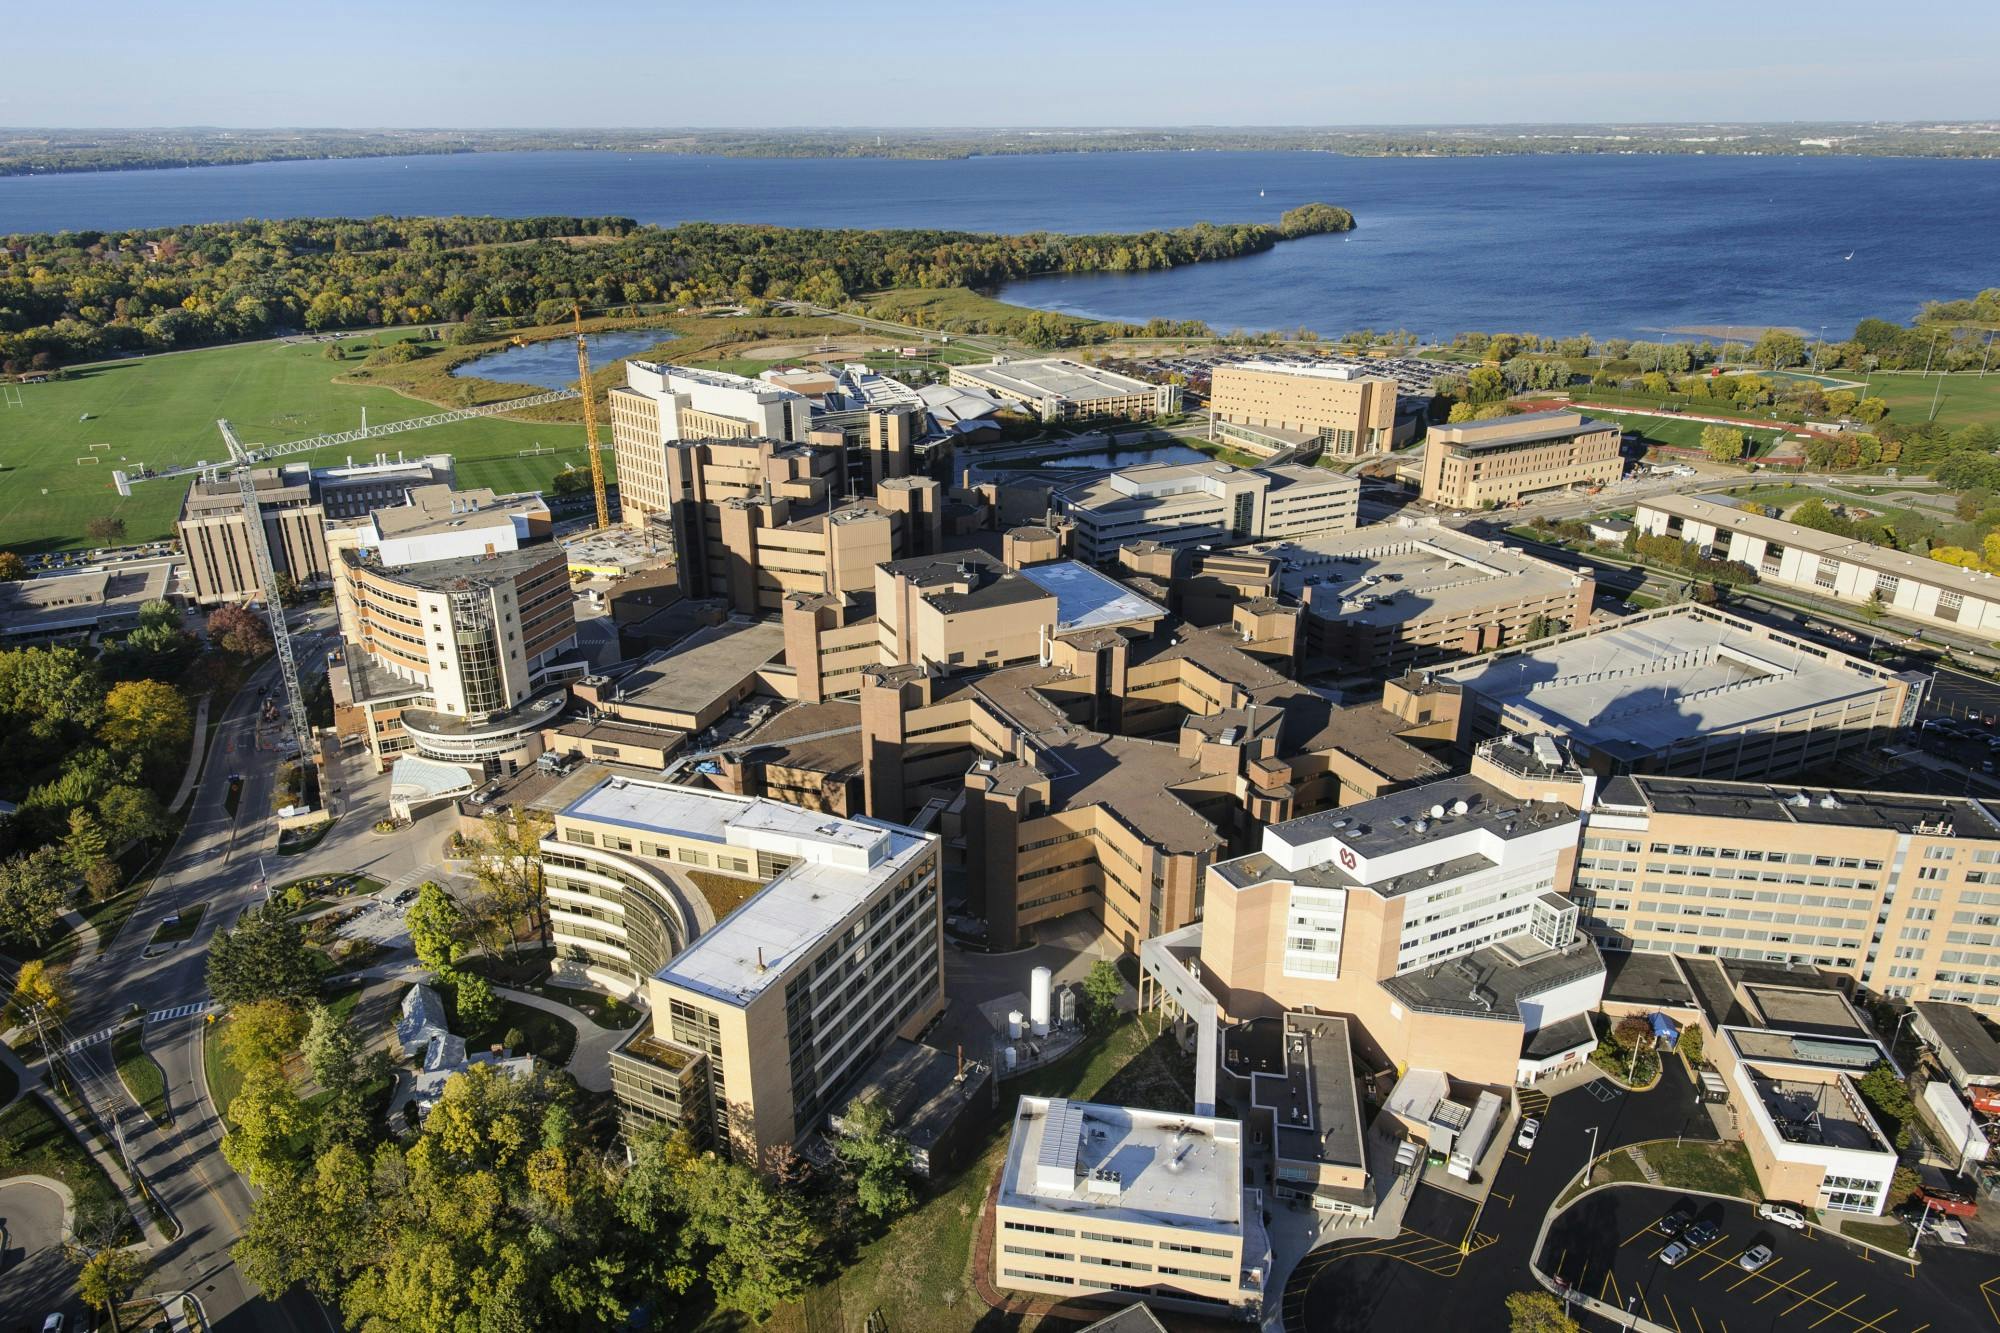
(1702, 1233)
(1675, 1252)
(1754, 1258)
(1525, 1140)
(1673, 1223)
(1783, 1214)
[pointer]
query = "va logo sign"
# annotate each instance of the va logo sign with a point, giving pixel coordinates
(1347, 858)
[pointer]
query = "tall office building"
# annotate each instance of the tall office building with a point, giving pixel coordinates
(1342, 410)
(660, 404)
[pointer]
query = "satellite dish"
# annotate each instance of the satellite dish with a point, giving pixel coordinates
(1437, 812)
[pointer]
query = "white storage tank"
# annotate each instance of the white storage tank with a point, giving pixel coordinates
(1014, 1022)
(1040, 982)
(1007, 1059)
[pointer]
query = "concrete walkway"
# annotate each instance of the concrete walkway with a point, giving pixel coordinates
(590, 1061)
(142, 1215)
(191, 778)
(86, 934)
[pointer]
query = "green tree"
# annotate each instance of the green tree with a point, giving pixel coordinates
(134, 811)
(1537, 1312)
(85, 844)
(1102, 989)
(877, 1159)
(35, 890)
(1722, 443)
(1871, 409)
(331, 1050)
(1889, 1098)
(758, 1246)
(477, 1005)
(264, 957)
(1874, 608)
(316, 1227)
(437, 927)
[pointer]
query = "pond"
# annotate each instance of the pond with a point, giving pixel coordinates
(551, 364)
(1165, 453)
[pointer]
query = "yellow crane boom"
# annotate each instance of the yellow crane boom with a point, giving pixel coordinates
(590, 419)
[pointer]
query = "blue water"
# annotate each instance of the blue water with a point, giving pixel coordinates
(1166, 453)
(552, 364)
(1606, 245)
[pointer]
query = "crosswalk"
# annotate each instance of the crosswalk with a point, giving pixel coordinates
(92, 1040)
(179, 1011)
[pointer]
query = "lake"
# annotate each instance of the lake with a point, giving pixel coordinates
(1616, 246)
(551, 364)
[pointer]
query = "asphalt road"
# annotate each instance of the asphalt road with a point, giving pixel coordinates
(212, 863)
(1607, 1246)
(34, 1275)
(1452, 1267)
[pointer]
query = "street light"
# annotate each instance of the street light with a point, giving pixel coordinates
(1896, 1034)
(1632, 1309)
(1921, 1224)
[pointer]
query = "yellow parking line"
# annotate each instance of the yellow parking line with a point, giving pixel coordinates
(1668, 1302)
(1646, 1303)
(1635, 1235)
(1777, 1287)
(1806, 1300)
(1611, 1285)
(1920, 1328)
(1831, 1312)
(1699, 1326)
(1877, 1320)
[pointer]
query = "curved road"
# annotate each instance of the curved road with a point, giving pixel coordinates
(214, 862)
(34, 1276)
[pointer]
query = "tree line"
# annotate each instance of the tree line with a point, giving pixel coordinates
(73, 296)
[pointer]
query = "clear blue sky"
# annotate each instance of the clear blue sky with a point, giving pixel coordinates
(481, 63)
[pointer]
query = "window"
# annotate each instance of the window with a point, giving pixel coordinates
(1886, 586)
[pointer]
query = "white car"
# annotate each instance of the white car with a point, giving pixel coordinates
(1525, 1140)
(53, 1324)
(1783, 1214)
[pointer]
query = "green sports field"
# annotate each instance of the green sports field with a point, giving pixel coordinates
(161, 411)
(1962, 399)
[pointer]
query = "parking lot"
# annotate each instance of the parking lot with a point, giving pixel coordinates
(1607, 1246)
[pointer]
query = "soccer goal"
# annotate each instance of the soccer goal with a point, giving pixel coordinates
(91, 459)
(11, 395)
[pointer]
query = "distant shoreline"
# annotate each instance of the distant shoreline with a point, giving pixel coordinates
(66, 152)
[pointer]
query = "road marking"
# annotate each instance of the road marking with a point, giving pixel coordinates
(1635, 1235)
(1777, 1286)
(1646, 1303)
(179, 1011)
(1813, 1299)
(1669, 1303)
(1605, 1290)
(1699, 1326)
(1877, 1320)
(91, 1040)
(1842, 1310)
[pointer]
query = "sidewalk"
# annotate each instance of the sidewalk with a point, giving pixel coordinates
(590, 1060)
(192, 776)
(156, 1239)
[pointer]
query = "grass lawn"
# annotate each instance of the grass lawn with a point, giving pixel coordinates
(1720, 1168)
(724, 893)
(223, 1080)
(1888, 1235)
(1686, 434)
(528, 970)
(918, 1274)
(177, 931)
(140, 1073)
(1784, 496)
(297, 842)
(322, 888)
(1962, 400)
(161, 411)
(33, 1142)
(549, 1037)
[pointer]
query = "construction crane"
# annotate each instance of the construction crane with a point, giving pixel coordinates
(590, 419)
(243, 462)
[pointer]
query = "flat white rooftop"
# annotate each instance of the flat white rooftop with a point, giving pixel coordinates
(1055, 377)
(1126, 1163)
(841, 862)
(1389, 573)
(1332, 372)
(1640, 685)
(1086, 599)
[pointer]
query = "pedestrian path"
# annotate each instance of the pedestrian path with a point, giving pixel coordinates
(195, 742)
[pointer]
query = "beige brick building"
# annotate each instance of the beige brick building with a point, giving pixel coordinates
(766, 1008)
(1059, 389)
(1343, 409)
(660, 405)
(1899, 892)
(1479, 463)
(1191, 504)
(1129, 1204)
